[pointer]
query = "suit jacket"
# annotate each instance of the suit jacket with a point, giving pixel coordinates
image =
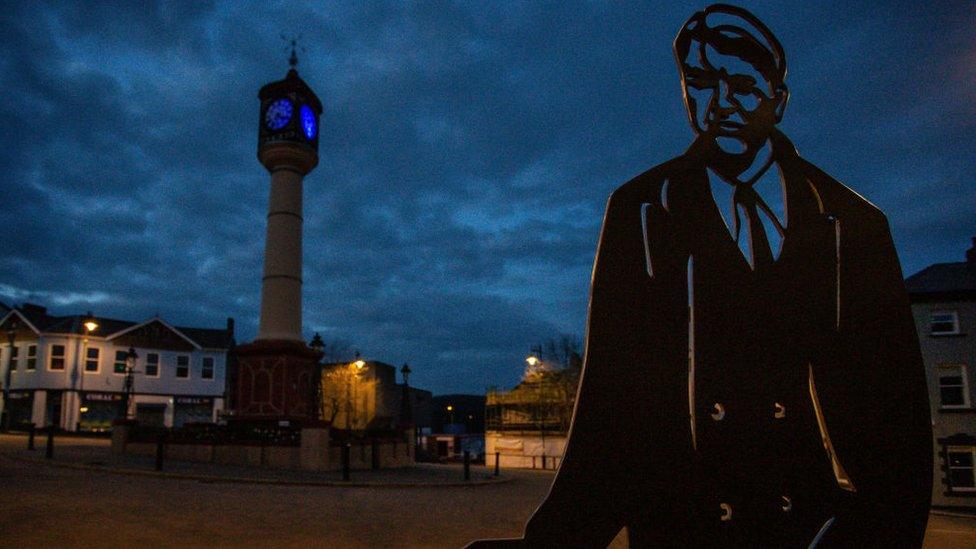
(722, 406)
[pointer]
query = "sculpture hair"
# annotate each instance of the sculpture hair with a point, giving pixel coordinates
(745, 37)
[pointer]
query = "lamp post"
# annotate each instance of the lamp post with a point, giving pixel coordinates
(315, 402)
(11, 334)
(130, 370)
(90, 325)
(450, 411)
(355, 369)
(533, 360)
(406, 408)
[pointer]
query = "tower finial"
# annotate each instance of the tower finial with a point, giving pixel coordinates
(294, 46)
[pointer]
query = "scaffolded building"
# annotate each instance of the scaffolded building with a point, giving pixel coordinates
(527, 426)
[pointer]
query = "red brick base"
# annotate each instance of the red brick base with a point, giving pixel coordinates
(275, 380)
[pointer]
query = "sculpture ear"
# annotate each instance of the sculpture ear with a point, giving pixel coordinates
(781, 95)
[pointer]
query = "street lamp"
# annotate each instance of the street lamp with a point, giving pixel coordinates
(541, 412)
(90, 323)
(450, 410)
(130, 370)
(406, 408)
(315, 404)
(356, 370)
(11, 334)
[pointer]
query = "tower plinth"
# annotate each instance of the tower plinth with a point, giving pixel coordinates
(278, 371)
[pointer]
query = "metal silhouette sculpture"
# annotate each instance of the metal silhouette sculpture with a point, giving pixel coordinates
(752, 373)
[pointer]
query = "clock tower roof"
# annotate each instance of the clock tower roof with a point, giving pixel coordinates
(292, 83)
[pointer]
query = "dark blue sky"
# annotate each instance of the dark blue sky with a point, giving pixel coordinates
(467, 151)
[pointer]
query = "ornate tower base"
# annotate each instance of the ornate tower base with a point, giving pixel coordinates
(276, 381)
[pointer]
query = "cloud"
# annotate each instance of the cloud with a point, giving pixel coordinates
(466, 155)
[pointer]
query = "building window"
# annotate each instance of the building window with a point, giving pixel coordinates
(32, 357)
(953, 386)
(91, 359)
(944, 323)
(962, 475)
(208, 368)
(120, 361)
(14, 352)
(152, 364)
(57, 357)
(182, 366)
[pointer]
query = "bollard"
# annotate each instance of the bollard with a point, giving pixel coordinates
(30, 437)
(49, 451)
(160, 450)
(498, 456)
(345, 461)
(467, 465)
(376, 455)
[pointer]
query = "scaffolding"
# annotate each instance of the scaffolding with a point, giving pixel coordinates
(542, 403)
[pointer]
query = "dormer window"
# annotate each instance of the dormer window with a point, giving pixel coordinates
(944, 323)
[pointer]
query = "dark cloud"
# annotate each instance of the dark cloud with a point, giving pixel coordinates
(466, 155)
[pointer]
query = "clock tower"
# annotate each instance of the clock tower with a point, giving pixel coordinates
(276, 377)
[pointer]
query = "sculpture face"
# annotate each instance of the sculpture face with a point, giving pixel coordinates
(729, 100)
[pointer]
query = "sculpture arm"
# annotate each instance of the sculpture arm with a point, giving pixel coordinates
(873, 392)
(637, 324)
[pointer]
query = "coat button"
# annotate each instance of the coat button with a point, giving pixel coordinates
(779, 411)
(787, 504)
(726, 512)
(719, 412)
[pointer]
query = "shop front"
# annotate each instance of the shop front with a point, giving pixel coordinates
(98, 410)
(20, 408)
(192, 410)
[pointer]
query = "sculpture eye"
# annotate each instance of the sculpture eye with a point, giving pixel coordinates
(742, 84)
(698, 79)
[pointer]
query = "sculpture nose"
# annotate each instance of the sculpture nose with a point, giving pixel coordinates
(724, 92)
(721, 107)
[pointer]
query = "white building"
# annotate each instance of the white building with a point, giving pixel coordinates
(64, 375)
(944, 303)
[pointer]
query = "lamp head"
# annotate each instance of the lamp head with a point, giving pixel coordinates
(90, 324)
(317, 343)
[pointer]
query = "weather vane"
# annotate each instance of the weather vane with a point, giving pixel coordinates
(294, 46)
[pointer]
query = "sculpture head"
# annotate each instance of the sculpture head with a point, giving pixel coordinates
(733, 76)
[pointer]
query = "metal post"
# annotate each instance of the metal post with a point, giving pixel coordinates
(376, 455)
(49, 451)
(345, 461)
(160, 451)
(467, 465)
(5, 416)
(498, 455)
(30, 436)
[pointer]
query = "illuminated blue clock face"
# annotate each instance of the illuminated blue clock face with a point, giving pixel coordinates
(278, 114)
(308, 121)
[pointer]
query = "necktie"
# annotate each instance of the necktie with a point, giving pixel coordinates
(745, 199)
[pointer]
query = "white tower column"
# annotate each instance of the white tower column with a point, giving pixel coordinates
(281, 287)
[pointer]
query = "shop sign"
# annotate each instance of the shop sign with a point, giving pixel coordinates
(194, 400)
(103, 397)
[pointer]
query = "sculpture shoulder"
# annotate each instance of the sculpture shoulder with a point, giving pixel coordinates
(649, 184)
(839, 199)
